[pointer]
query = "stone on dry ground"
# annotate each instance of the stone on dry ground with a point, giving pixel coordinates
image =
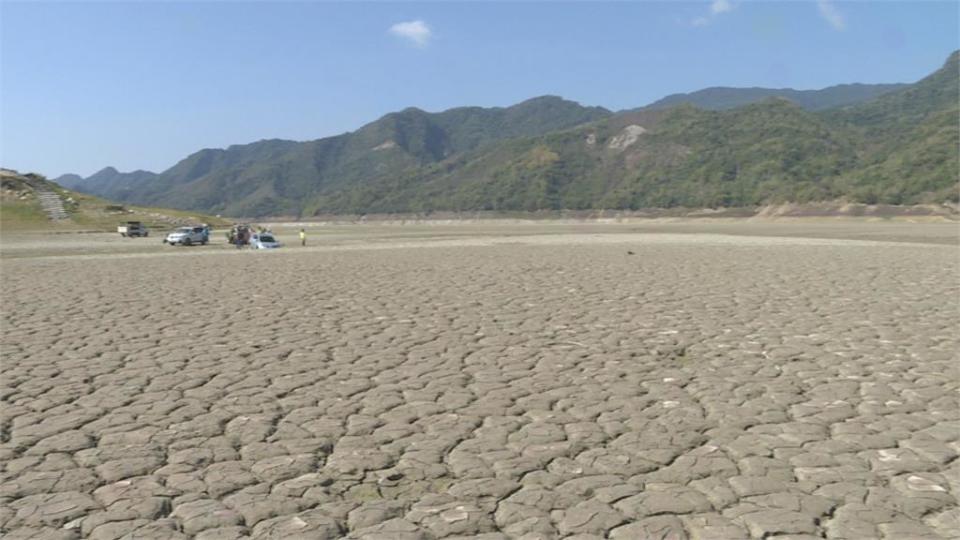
(749, 388)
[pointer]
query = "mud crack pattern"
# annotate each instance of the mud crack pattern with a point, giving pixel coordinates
(511, 391)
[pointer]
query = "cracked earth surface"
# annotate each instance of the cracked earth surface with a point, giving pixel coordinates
(701, 389)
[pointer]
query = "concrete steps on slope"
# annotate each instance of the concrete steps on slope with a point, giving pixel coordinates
(52, 205)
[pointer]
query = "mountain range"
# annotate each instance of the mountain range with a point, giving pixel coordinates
(717, 147)
(720, 98)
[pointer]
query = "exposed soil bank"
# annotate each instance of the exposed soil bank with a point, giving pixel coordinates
(948, 212)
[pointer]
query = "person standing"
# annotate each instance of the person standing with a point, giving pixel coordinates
(303, 237)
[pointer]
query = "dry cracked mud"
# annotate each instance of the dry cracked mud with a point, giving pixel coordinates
(703, 387)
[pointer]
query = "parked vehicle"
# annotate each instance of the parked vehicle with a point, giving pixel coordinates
(187, 236)
(132, 228)
(264, 240)
(242, 231)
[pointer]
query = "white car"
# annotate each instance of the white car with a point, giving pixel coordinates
(188, 236)
(264, 240)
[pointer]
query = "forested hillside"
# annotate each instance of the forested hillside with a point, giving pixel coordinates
(900, 149)
(547, 153)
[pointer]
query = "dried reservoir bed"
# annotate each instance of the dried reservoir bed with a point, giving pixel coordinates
(432, 382)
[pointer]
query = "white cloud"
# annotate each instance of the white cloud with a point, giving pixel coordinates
(716, 8)
(416, 31)
(830, 13)
(720, 6)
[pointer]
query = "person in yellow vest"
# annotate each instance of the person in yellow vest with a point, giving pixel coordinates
(303, 237)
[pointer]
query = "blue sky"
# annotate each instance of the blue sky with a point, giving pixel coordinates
(142, 85)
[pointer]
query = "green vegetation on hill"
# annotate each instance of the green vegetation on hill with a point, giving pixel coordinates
(898, 149)
(723, 98)
(909, 106)
(901, 147)
(773, 151)
(910, 141)
(276, 177)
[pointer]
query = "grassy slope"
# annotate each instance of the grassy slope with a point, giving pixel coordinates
(94, 213)
(89, 213)
(22, 215)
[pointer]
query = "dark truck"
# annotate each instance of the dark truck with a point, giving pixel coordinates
(132, 228)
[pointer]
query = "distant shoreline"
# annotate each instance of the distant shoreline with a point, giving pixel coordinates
(926, 212)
